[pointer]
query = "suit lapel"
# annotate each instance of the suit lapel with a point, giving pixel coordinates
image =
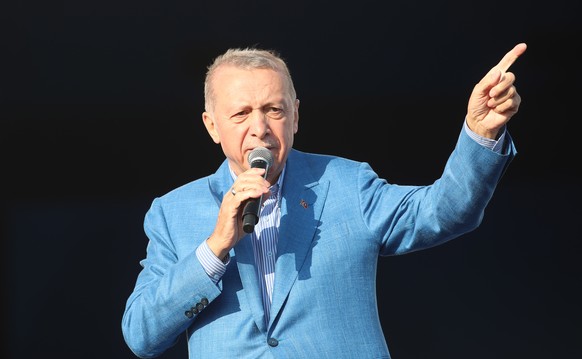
(245, 262)
(301, 205)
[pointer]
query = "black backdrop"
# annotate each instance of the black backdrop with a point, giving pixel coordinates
(101, 112)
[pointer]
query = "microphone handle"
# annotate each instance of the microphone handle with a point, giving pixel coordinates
(250, 216)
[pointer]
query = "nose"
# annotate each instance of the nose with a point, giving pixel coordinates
(259, 124)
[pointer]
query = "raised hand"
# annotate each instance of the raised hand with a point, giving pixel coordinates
(494, 99)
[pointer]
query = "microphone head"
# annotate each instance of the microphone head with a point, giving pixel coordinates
(261, 154)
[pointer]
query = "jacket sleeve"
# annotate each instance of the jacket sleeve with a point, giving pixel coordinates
(169, 293)
(410, 218)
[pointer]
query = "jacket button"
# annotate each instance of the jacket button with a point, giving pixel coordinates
(199, 306)
(189, 314)
(273, 342)
(204, 301)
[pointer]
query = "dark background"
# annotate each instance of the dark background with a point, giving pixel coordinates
(101, 112)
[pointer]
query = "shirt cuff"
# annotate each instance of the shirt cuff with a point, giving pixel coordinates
(494, 145)
(212, 265)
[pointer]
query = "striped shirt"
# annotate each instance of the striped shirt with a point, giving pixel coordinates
(264, 240)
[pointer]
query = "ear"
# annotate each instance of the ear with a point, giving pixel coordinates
(296, 117)
(211, 127)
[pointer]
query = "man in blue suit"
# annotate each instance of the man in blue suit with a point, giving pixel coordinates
(302, 283)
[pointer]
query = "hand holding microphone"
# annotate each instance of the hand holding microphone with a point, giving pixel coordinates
(225, 234)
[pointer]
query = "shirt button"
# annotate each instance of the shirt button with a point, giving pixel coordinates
(273, 342)
(269, 254)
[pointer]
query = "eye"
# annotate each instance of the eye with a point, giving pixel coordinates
(239, 114)
(275, 112)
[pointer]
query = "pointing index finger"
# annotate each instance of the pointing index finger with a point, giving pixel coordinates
(511, 56)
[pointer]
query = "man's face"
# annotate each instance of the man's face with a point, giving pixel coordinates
(252, 108)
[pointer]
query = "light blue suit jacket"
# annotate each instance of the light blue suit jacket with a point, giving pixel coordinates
(337, 217)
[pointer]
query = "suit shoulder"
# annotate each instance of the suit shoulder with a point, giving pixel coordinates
(330, 162)
(187, 190)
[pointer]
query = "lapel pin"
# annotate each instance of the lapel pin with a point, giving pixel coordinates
(303, 204)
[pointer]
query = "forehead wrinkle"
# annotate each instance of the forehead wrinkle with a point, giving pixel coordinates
(254, 95)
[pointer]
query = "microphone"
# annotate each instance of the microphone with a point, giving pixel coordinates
(260, 157)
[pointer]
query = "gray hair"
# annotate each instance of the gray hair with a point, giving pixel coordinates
(247, 59)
